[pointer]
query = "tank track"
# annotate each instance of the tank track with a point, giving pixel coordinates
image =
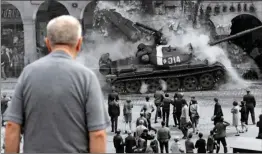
(121, 83)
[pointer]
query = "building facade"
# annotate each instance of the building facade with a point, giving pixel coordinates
(23, 23)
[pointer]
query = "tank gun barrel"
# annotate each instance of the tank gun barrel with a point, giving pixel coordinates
(147, 27)
(235, 36)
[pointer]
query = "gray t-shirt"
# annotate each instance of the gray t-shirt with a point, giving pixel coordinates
(57, 101)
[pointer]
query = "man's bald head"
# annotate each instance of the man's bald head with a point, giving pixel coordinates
(64, 30)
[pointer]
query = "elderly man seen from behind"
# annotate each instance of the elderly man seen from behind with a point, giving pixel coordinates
(58, 102)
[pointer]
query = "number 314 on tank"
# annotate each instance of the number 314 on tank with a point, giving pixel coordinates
(171, 60)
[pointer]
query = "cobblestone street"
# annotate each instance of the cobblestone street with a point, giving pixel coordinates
(206, 112)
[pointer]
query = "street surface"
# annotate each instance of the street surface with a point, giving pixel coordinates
(205, 100)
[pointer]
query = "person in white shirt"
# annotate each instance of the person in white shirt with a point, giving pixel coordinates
(176, 147)
(148, 109)
(184, 120)
(139, 129)
(194, 110)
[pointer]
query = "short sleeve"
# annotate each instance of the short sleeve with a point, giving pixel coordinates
(96, 113)
(15, 110)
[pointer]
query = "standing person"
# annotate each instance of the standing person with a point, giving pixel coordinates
(250, 104)
(154, 144)
(114, 113)
(64, 94)
(8, 63)
(179, 105)
(174, 110)
(20, 61)
(211, 143)
(4, 62)
(127, 110)
(4, 105)
(243, 117)
(201, 144)
(218, 113)
(140, 129)
(163, 137)
(130, 142)
(15, 61)
(159, 96)
(146, 136)
(119, 142)
(259, 125)
(148, 108)
(189, 144)
(166, 108)
(175, 147)
(194, 110)
(235, 116)
(142, 117)
(113, 95)
(220, 133)
(189, 106)
(140, 147)
(184, 120)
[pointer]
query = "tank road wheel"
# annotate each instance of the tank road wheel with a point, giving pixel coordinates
(190, 83)
(120, 87)
(152, 85)
(173, 84)
(207, 81)
(133, 86)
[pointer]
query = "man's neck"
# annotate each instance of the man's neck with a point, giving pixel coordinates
(63, 48)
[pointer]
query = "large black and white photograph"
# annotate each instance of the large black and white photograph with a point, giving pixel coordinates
(131, 76)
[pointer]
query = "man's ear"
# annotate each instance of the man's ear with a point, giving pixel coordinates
(79, 44)
(48, 45)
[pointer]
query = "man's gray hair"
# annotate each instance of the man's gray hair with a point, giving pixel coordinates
(64, 29)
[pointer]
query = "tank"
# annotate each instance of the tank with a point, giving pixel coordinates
(154, 64)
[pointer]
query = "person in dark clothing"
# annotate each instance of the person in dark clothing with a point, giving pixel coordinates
(4, 105)
(163, 137)
(130, 142)
(218, 113)
(147, 115)
(140, 147)
(201, 144)
(220, 134)
(113, 96)
(250, 104)
(174, 109)
(5, 63)
(243, 118)
(211, 142)
(159, 96)
(179, 104)
(166, 108)
(189, 144)
(146, 136)
(259, 125)
(154, 145)
(142, 117)
(114, 112)
(119, 142)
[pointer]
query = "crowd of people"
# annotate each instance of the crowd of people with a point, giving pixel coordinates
(12, 62)
(185, 116)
